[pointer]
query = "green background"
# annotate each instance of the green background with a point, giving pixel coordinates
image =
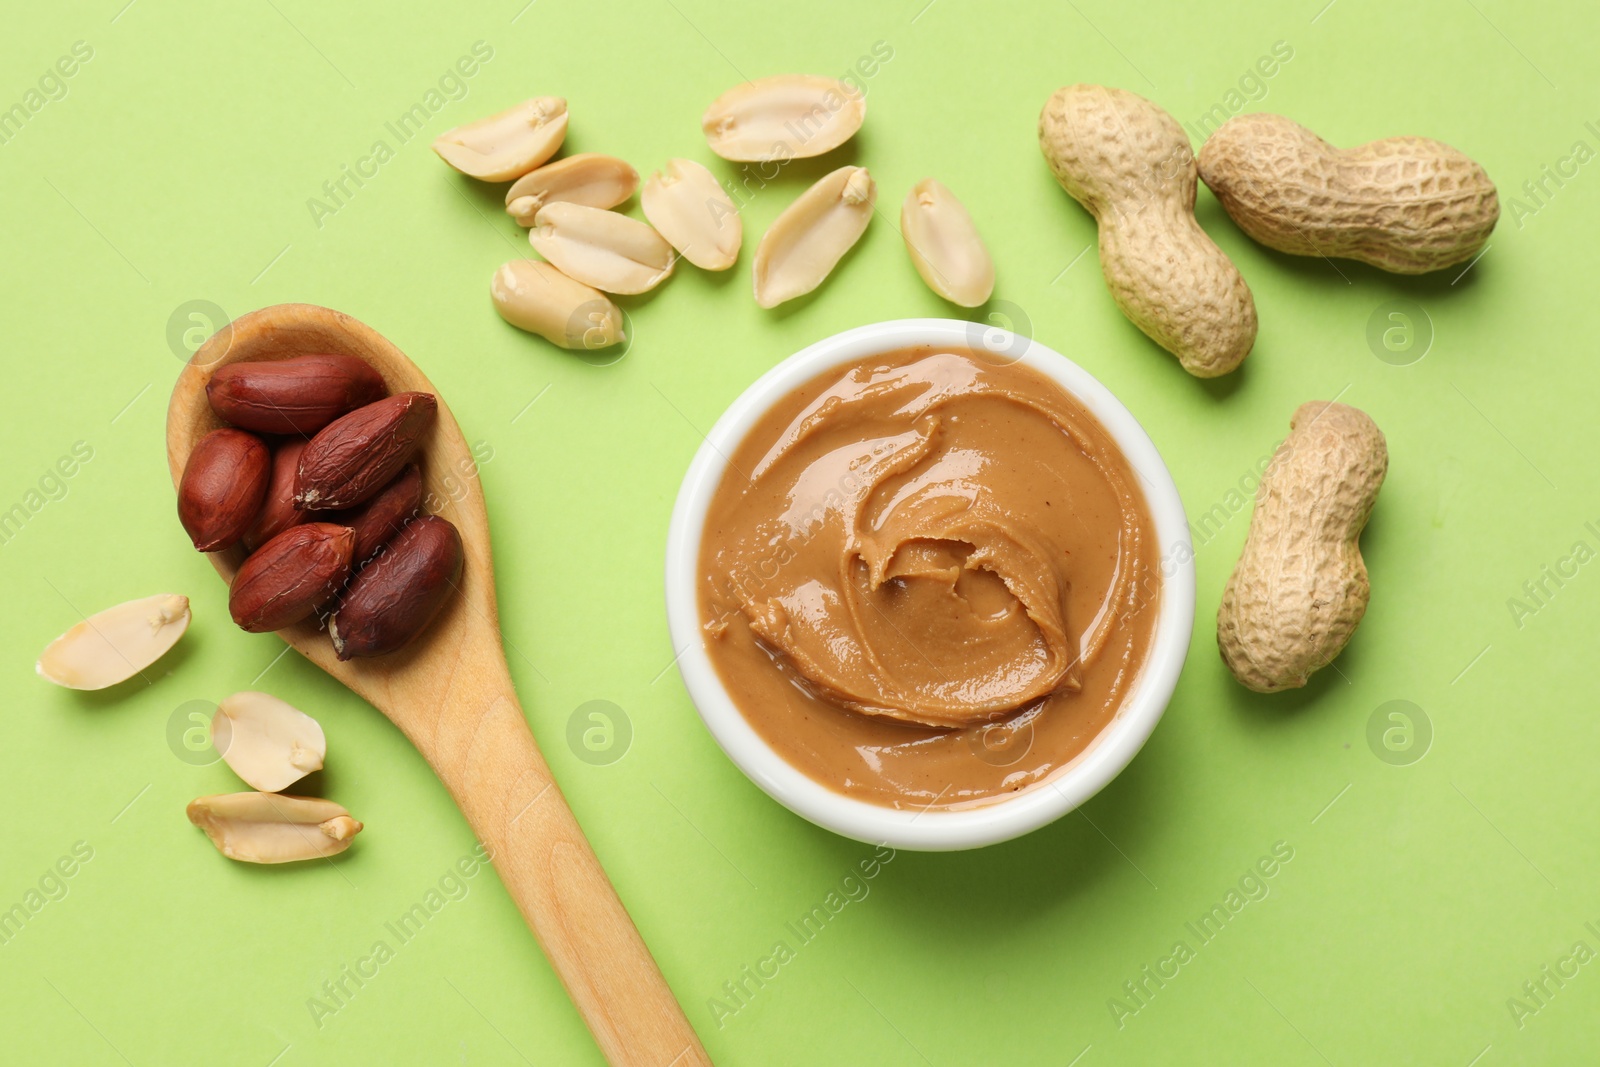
(1421, 895)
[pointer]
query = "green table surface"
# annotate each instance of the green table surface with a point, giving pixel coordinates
(1437, 899)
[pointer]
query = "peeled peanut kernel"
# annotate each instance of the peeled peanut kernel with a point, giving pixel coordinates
(945, 246)
(116, 644)
(687, 207)
(272, 827)
(352, 458)
(289, 578)
(379, 519)
(536, 297)
(601, 248)
(507, 145)
(806, 242)
(278, 512)
(223, 486)
(269, 743)
(297, 395)
(789, 116)
(588, 178)
(397, 595)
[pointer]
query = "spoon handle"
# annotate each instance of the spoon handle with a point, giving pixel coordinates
(483, 751)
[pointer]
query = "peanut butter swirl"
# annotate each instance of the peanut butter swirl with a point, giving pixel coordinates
(931, 539)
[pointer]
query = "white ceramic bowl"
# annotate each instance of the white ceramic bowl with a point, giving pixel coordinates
(932, 829)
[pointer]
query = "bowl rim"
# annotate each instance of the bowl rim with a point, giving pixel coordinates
(930, 829)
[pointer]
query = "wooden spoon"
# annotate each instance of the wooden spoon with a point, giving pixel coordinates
(450, 693)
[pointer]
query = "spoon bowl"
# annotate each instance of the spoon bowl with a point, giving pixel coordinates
(450, 693)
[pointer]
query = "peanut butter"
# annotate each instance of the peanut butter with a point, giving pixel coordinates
(928, 579)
